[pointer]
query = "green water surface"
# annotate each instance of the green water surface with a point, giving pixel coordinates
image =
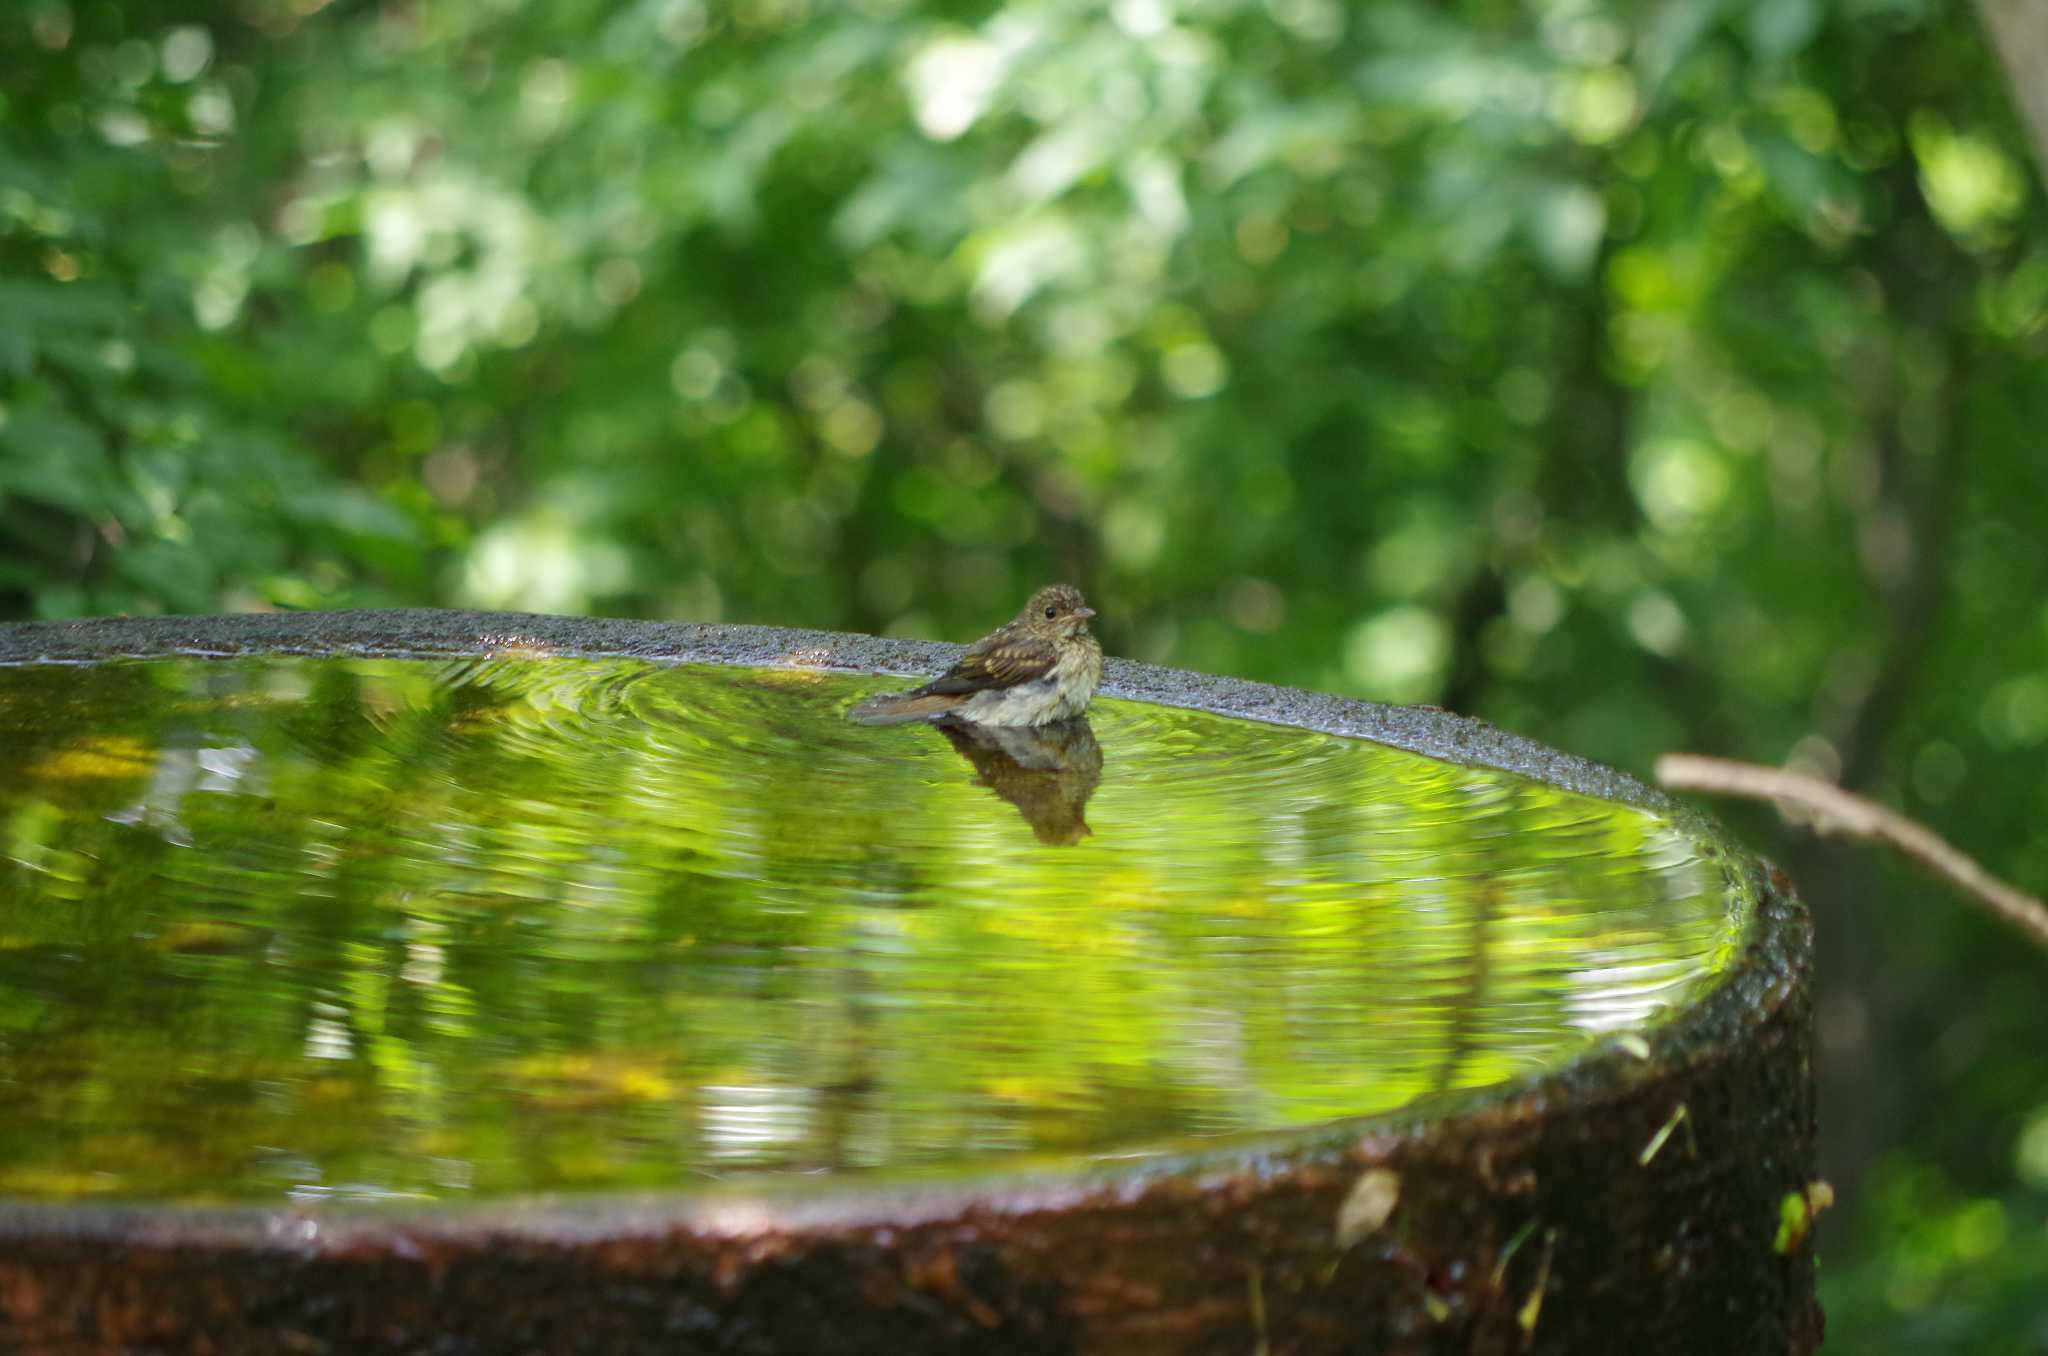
(369, 929)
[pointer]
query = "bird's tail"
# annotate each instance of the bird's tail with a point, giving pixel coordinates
(899, 708)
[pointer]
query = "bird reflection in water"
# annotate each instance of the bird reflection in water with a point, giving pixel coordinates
(1047, 771)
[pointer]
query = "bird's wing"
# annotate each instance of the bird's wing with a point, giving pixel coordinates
(997, 663)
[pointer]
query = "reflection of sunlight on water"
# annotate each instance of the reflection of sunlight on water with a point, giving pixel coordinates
(517, 923)
(327, 1035)
(1617, 997)
(750, 1123)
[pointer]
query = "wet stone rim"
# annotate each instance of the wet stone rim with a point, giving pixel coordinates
(1643, 1188)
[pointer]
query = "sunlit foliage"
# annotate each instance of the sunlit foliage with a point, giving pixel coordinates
(1637, 376)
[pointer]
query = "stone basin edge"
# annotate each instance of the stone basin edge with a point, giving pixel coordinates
(434, 633)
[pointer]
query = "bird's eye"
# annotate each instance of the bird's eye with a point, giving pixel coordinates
(1052, 612)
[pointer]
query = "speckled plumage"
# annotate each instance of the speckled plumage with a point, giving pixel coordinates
(1039, 667)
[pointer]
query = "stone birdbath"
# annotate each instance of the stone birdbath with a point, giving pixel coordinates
(430, 981)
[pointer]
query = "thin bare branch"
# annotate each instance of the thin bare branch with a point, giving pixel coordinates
(1828, 809)
(2019, 34)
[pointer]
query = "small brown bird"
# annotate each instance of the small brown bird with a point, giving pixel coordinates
(1039, 667)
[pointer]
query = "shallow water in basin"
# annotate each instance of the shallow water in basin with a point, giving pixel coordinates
(369, 929)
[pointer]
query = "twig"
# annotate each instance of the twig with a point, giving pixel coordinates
(1831, 810)
(2019, 34)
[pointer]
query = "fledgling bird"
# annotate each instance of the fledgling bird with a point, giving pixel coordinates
(1039, 667)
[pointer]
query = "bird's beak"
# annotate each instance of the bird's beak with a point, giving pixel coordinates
(1083, 613)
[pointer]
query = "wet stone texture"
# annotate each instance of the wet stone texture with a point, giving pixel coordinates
(1647, 1195)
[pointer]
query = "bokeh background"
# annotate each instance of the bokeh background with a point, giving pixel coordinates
(1638, 376)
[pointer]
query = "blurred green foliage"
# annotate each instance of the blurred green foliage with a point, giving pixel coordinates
(1636, 376)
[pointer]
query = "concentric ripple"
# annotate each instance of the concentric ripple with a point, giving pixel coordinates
(354, 929)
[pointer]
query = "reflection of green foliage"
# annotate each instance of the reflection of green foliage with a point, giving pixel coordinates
(531, 922)
(1639, 376)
